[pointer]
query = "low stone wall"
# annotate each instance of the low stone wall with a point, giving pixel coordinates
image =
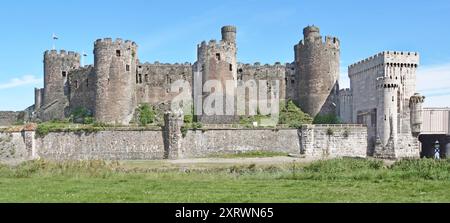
(205, 142)
(104, 145)
(14, 147)
(329, 141)
(312, 141)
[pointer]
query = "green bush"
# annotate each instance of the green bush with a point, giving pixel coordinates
(81, 115)
(293, 116)
(146, 114)
(42, 130)
(327, 119)
(188, 118)
(88, 120)
(184, 130)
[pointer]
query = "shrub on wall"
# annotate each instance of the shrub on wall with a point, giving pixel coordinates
(189, 116)
(292, 115)
(146, 114)
(81, 115)
(327, 119)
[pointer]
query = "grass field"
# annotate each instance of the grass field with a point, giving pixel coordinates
(340, 180)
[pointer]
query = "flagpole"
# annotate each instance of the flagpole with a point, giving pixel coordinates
(54, 37)
(82, 58)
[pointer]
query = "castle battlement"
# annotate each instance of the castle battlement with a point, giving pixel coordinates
(213, 44)
(118, 41)
(387, 83)
(329, 42)
(345, 92)
(61, 53)
(157, 63)
(311, 35)
(394, 58)
(416, 98)
(257, 65)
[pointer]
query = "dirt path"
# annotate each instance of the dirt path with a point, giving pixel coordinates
(265, 160)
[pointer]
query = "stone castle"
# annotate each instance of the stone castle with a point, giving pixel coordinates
(118, 82)
(381, 95)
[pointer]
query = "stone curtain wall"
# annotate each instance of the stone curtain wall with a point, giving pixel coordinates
(315, 142)
(105, 145)
(330, 141)
(8, 118)
(202, 143)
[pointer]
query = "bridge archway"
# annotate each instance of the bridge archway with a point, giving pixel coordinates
(428, 140)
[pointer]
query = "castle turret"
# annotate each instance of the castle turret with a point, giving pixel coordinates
(415, 106)
(317, 69)
(115, 70)
(57, 66)
(216, 61)
(229, 34)
(387, 117)
(346, 105)
(38, 93)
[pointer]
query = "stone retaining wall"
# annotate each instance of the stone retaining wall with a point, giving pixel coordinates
(313, 141)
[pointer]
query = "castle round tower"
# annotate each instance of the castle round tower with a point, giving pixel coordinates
(317, 69)
(57, 66)
(387, 112)
(216, 61)
(115, 65)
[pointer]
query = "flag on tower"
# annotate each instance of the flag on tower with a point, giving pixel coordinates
(54, 36)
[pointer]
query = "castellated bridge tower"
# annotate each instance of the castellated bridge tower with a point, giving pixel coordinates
(57, 66)
(115, 65)
(317, 69)
(416, 108)
(215, 61)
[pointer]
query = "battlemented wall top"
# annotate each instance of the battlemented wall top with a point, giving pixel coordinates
(118, 41)
(157, 63)
(259, 65)
(387, 82)
(390, 56)
(329, 41)
(416, 99)
(345, 92)
(62, 53)
(229, 28)
(212, 44)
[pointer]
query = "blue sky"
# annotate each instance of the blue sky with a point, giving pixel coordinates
(168, 31)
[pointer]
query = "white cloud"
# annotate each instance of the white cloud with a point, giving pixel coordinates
(434, 83)
(344, 81)
(21, 81)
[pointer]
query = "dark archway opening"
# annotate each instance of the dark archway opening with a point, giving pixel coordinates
(428, 145)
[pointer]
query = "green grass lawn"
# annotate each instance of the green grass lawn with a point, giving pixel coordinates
(341, 180)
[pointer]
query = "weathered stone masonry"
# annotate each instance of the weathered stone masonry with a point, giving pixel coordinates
(314, 142)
